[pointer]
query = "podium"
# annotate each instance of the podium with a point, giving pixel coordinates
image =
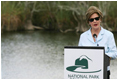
(85, 62)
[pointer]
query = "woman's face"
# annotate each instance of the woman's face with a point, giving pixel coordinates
(94, 21)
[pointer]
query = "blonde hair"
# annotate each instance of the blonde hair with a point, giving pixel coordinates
(91, 10)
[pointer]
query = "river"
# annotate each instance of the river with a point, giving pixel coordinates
(38, 54)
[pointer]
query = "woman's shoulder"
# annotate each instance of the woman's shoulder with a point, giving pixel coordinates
(107, 32)
(85, 33)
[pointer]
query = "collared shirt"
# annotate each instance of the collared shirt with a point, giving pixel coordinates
(105, 39)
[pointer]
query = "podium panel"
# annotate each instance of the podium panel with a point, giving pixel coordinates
(84, 63)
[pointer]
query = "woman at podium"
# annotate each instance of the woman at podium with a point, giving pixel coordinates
(97, 35)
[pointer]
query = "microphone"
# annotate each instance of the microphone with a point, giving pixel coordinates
(95, 36)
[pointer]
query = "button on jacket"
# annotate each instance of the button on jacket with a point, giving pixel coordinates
(105, 39)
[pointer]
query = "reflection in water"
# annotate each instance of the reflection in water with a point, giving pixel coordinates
(37, 55)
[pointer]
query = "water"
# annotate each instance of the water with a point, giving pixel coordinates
(37, 54)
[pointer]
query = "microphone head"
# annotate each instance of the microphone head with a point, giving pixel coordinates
(94, 35)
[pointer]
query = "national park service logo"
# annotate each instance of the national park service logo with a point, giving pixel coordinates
(82, 65)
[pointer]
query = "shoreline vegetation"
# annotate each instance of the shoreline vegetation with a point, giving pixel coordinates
(62, 16)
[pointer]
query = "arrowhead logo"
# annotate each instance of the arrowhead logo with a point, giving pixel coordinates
(81, 62)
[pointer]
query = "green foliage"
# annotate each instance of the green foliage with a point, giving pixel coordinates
(54, 14)
(11, 15)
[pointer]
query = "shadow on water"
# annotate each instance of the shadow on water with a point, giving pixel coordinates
(36, 54)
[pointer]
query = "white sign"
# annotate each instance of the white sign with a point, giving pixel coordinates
(83, 63)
